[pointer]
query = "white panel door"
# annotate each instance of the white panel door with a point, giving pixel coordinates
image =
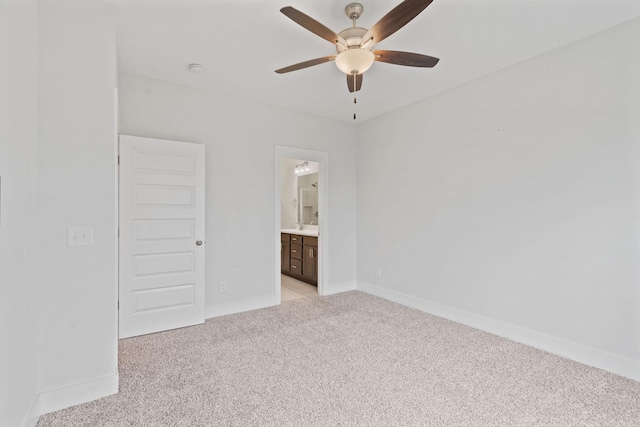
(161, 235)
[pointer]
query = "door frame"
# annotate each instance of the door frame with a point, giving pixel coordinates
(322, 158)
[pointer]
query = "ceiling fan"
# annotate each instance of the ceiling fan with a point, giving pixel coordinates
(355, 44)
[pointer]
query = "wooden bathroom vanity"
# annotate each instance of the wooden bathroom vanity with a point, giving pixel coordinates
(299, 257)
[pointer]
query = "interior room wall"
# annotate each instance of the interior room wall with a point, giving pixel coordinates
(288, 187)
(241, 137)
(18, 145)
(77, 345)
(511, 203)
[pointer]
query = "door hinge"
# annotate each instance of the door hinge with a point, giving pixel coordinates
(118, 305)
(118, 159)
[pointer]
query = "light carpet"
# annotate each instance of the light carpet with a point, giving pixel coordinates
(349, 360)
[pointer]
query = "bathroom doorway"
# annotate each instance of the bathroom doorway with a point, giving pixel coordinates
(299, 214)
(301, 222)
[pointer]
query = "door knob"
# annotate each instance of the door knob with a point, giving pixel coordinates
(199, 242)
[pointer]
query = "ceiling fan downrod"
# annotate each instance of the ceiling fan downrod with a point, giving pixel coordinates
(354, 11)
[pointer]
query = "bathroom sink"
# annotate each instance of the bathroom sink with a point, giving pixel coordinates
(300, 232)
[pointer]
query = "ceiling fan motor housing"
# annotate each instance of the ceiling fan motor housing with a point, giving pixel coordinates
(353, 37)
(354, 58)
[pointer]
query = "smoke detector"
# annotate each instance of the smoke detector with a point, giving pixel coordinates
(196, 69)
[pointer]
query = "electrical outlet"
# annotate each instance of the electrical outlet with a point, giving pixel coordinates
(79, 236)
(223, 286)
(378, 272)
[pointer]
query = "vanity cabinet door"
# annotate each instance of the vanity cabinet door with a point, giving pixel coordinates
(285, 266)
(310, 264)
(285, 254)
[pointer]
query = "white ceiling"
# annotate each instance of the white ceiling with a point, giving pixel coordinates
(241, 42)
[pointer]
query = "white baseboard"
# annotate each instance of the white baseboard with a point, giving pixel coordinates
(33, 414)
(75, 394)
(217, 310)
(336, 288)
(580, 353)
(31, 421)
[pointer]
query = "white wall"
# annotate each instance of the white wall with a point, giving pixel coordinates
(241, 137)
(77, 345)
(511, 203)
(18, 139)
(288, 193)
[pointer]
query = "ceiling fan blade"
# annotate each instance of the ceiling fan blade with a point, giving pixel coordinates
(358, 82)
(405, 58)
(312, 25)
(397, 18)
(306, 64)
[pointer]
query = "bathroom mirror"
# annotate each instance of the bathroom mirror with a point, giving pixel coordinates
(308, 199)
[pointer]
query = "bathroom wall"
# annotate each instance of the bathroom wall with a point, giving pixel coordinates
(289, 183)
(308, 199)
(288, 193)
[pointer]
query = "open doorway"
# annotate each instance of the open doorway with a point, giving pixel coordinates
(301, 222)
(299, 214)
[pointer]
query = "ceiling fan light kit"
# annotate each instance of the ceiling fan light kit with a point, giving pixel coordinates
(355, 44)
(355, 61)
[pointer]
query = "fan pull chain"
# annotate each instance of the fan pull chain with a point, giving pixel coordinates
(355, 90)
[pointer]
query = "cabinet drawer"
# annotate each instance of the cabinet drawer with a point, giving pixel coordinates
(296, 251)
(285, 237)
(296, 239)
(309, 240)
(296, 266)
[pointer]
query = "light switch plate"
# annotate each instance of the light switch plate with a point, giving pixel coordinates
(79, 236)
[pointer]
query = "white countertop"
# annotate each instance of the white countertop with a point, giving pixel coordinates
(313, 233)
